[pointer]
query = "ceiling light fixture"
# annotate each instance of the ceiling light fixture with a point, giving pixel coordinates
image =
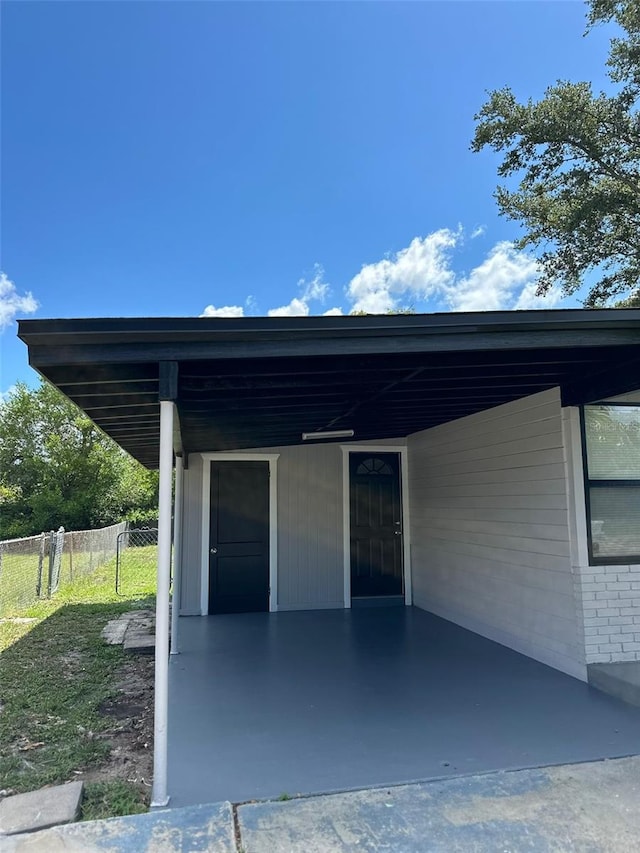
(335, 433)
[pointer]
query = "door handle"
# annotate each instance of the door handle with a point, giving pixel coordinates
(397, 532)
(213, 551)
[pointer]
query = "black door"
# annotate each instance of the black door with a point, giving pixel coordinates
(239, 537)
(376, 524)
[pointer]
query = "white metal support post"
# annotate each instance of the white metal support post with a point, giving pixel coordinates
(159, 795)
(177, 555)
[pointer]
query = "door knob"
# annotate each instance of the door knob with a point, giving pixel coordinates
(397, 532)
(213, 551)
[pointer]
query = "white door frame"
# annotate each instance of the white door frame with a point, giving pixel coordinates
(272, 459)
(401, 450)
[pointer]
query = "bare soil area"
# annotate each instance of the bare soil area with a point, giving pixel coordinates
(130, 731)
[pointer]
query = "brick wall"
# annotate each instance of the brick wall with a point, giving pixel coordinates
(607, 597)
(611, 605)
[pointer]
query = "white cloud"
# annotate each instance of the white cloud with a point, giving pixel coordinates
(251, 305)
(506, 279)
(422, 276)
(296, 308)
(317, 288)
(528, 298)
(478, 232)
(12, 302)
(417, 272)
(225, 311)
(496, 283)
(313, 290)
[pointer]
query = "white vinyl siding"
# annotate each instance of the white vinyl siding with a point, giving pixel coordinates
(310, 527)
(310, 564)
(490, 532)
(191, 537)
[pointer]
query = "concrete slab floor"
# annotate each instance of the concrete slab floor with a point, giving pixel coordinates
(591, 808)
(318, 701)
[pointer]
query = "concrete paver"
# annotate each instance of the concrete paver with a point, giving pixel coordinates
(114, 631)
(591, 808)
(189, 830)
(140, 642)
(39, 809)
(135, 630)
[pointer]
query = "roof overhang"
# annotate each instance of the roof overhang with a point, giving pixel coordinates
(263, 381)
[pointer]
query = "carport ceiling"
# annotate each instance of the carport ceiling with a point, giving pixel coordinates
(261, 382)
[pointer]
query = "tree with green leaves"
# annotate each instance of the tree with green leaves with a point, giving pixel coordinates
(57, 468)
(631, 302)
(576, 155)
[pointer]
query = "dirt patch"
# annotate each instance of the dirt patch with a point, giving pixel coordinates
(133, 679)
(122, 710)
(129, 729)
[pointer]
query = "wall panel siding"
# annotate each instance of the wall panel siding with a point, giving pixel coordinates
(310, 565)
(192, 537)
(490, 530)
(310, 558)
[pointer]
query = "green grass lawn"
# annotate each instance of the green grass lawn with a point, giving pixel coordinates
(55, 671)
(19, 574)
(19, 581)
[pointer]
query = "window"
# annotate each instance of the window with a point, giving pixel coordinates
(612, 477)
(374, 466)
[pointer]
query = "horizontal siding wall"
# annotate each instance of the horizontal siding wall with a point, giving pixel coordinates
(490, 533)
(191, 537)
(310, 566)
(310, 527)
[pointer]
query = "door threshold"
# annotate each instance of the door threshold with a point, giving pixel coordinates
(378, 601)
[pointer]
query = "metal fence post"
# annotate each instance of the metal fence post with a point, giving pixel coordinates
(52, 556)
(58, 551)
(40, 566)
(118, 550)
(70, 557)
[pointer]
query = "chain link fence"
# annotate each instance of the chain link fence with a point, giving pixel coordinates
(86, 550)
(33, 568)
(24, 570)
(137, 555)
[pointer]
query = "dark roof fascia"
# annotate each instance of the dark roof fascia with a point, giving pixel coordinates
(136, 339)
(115, 329)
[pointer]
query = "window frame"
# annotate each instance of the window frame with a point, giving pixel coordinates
(596, 559)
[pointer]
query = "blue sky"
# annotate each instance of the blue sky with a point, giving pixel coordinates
(180, 158)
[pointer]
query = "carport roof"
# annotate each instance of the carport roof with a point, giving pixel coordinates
(263, 381)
